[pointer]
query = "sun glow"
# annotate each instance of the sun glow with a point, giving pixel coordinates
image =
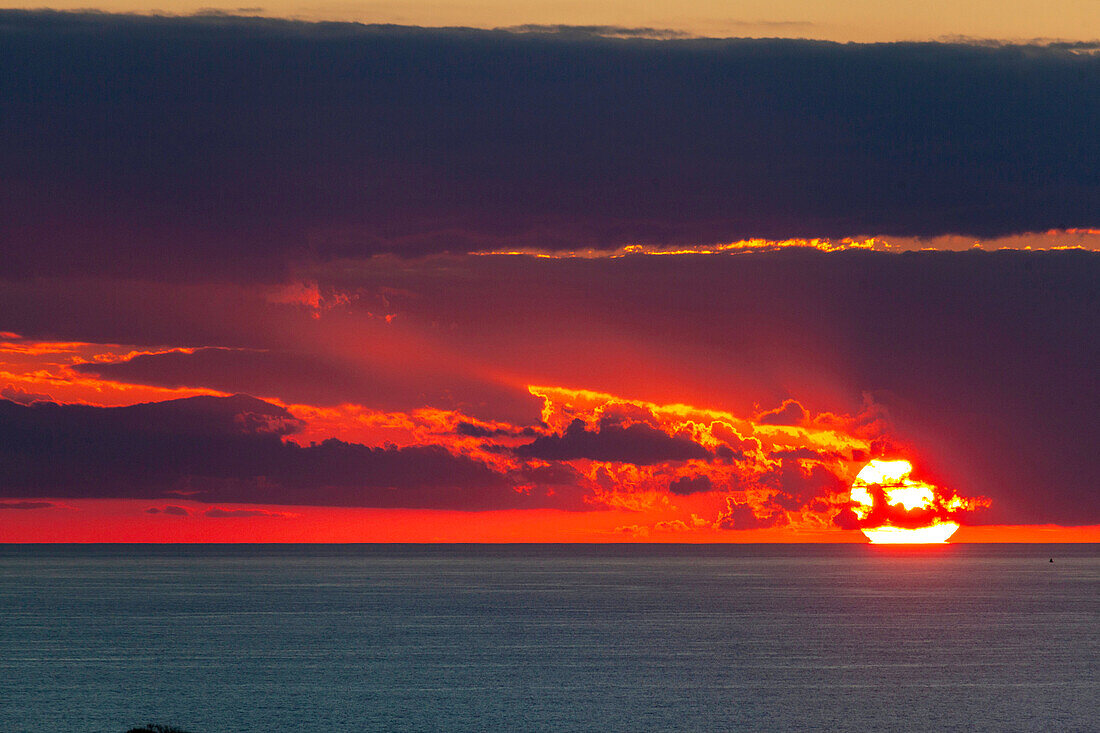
(884, 490)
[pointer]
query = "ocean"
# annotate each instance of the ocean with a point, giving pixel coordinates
(259, 638)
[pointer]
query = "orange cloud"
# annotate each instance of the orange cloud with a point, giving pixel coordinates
(1071, 238)
(43, 370)
(674, 462)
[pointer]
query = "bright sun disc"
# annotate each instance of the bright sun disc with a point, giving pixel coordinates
(899, 491)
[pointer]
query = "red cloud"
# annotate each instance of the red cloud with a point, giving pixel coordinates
(789, 413)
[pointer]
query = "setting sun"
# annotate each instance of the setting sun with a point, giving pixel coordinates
(909, 511)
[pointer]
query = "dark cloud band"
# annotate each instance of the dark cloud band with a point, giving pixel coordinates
(229, 450)
(234, 145)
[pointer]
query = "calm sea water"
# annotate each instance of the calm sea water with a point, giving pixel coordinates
(216, 639)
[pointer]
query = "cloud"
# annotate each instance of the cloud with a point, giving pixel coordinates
(304, 377)
(177, 511)
(231, 146)
(597, 31)
(846, 519)
(803, 453)
(980, 364)
(473, 430)
(679, 525)
(984, 369)
(22, 396)
(939, 506)
(741, 515)
(690, 485)
(638, 443)
(219, 513)
(25, 505)
(799, 482)
(232, 450)
(790, 413)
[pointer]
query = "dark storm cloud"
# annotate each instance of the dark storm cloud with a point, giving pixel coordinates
(232, 145)
(230, 450)
(639, 444)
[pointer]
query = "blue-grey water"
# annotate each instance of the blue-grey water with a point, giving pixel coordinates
(216, 639)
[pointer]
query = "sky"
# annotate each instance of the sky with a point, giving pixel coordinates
(633, 277)
(853, 20)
